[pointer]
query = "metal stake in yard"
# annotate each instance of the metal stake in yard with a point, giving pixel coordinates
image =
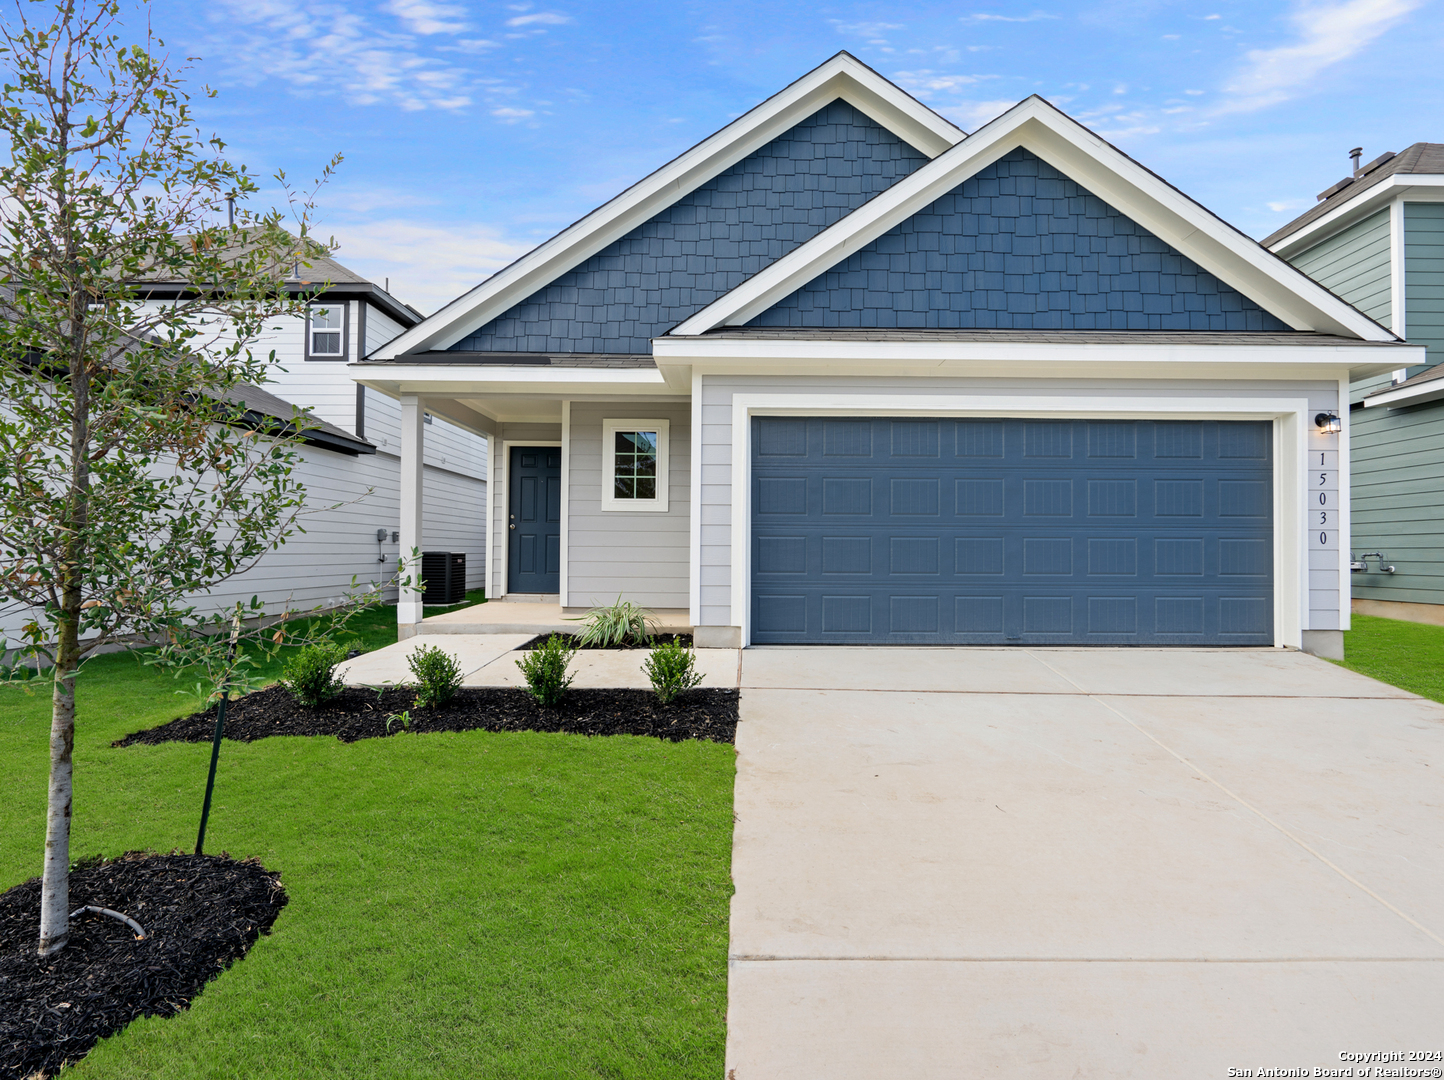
(220, 730)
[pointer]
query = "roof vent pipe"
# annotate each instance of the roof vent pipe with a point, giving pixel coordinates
(1354, 155)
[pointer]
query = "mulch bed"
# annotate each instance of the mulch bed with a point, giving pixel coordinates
(685, 640)
(201, 913)
(361, 713)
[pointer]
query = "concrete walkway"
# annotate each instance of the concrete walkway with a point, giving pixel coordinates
(1080, 863)
(490, 660)
(507, 617)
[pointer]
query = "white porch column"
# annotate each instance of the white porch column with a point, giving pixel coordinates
(413, 439)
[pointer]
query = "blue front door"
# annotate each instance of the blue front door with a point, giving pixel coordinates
(534, 520)
(1011, 531)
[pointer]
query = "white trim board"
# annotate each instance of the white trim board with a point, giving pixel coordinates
(610, 504)
(1421, 187)
(1290, 415)
(1090, 161)
(843, 76)
(564, 555)
(1398, 298)
(719, 352)
(694, 499)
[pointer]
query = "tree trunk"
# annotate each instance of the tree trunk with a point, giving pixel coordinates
(55, 884)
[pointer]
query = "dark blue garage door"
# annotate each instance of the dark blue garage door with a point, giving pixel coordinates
(921, 531)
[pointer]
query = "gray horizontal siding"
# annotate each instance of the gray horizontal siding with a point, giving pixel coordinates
(1424, 277)
(641, 556)
(351, 498)
(1355, 265)
(1019, 246)
(715, 556)
(1398, 478)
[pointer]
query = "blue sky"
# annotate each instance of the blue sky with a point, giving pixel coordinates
(472, 131)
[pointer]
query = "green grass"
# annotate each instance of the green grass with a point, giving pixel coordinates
(462, 905)
(1404, 654)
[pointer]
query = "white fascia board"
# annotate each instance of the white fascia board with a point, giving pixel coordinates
(1405, 185)
(685, 357)
(843, 76)
(455, 379)
(1408, 395)
(697, 350)
(1090, 161)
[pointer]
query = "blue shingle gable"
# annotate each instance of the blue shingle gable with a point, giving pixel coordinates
(1019, 246)
(709, 241)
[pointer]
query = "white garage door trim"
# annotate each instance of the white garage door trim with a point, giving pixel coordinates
(1290, 416)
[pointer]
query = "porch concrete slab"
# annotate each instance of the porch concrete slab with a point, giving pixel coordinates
(945, 669)
(811, 1020)
(1006, 826)
(388, 665)
(1354, 781)
(612, 669)
(501, 616)
(1233, 672)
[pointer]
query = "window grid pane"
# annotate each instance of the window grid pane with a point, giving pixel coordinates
(328, 344)
(635, 466)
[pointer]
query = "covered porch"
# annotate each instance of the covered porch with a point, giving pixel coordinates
(546, 420)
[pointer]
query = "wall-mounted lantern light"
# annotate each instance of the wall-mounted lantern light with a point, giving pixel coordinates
(1329, 423)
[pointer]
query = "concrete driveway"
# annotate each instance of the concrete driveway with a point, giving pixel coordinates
(1081, 863)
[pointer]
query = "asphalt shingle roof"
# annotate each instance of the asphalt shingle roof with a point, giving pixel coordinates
(1419, 158)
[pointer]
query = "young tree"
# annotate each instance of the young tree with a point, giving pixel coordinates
(128, 479)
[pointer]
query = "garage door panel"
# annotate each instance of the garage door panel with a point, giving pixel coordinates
(1012, 531)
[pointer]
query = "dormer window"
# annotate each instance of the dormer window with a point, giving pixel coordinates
(326, 332)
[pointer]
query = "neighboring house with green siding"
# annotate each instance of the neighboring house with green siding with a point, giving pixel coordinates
(1376, 239)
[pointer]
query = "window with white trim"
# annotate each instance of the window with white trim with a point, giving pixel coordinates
(326, 331)
(634, 464)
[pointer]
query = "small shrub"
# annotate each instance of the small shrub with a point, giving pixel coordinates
(622, 623)
(545, 669)
(310, 675)
(437, 676)
(671, 669)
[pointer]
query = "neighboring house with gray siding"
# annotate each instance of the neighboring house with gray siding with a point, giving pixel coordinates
(350, 461)
(843, 373)
(1376, 238)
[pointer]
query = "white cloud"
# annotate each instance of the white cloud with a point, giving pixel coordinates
(322, 48)
(925, 84)
(426, 17)
(429, 263)
(971, 115)
(1171, 37)
(1289, 204)
(511, 116)
(1327, 35)
(546, 18)
(866, 29)
(984, 16)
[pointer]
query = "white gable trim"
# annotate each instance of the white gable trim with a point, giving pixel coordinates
(1423, 187)
(843, 76)
(1087, 159)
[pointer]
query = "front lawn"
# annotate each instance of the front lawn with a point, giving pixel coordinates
(1408, 655)
(462, 905)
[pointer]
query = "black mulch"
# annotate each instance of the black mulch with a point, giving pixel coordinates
(360, 713)
(201, 912)
(684, 640)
